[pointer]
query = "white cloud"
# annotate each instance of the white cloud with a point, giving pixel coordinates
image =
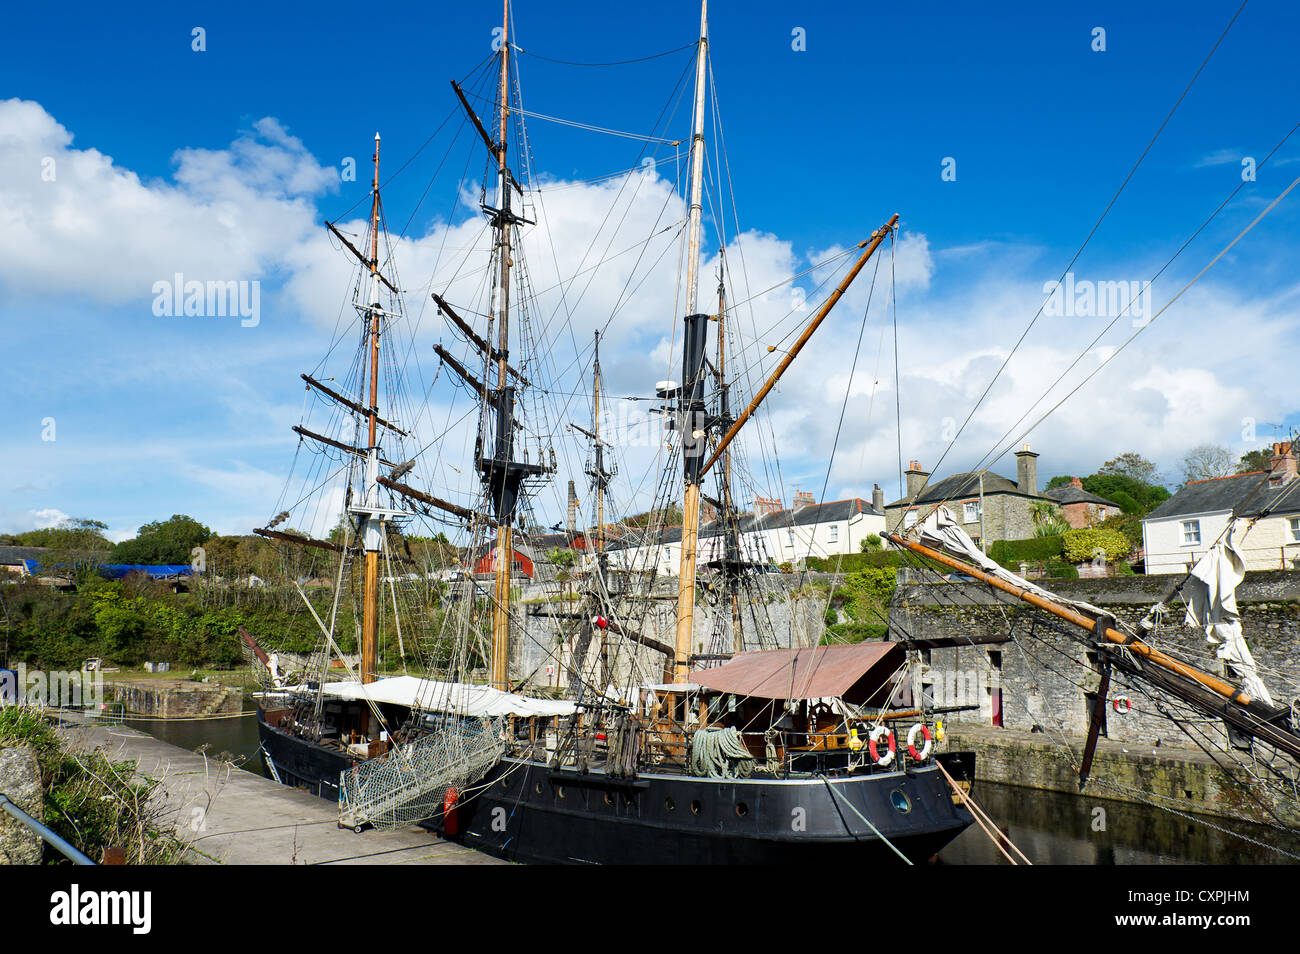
(101, 231)
(73, 221)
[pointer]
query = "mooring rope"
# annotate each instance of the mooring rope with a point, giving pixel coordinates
(831, 788)
(982, 819)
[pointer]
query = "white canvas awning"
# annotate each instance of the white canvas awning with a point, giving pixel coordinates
(458, 697)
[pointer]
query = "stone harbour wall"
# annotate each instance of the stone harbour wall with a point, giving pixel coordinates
(1037, 678)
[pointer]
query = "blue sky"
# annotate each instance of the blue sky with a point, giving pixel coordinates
(156, 416)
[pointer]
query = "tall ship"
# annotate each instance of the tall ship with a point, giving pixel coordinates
(663, 696)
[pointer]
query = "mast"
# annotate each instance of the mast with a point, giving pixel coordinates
(692, 392)
(502, 474)
(372, 527)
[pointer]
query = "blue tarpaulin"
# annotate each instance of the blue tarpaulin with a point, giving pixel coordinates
(115, 571)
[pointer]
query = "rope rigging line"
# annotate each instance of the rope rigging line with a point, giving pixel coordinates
(1088, 238)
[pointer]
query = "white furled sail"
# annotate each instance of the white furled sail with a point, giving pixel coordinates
(1211, 594)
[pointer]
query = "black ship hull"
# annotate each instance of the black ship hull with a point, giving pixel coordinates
(524, 811)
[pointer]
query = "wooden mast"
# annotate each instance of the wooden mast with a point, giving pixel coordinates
(693, 444)
(372, 526)
(504, 544)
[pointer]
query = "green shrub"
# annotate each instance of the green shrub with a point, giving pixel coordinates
(1082, 546)
(853, 633)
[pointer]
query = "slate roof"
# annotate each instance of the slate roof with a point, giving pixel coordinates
(1228, 493)
(1074, 495)
(12, 556)
(964, 485)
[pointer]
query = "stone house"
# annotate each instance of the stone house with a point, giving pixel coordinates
(1081, 508)
(988, 506)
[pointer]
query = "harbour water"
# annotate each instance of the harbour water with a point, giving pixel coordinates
(1049, 827)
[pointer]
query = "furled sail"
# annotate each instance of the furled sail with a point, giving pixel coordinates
(1211, 594)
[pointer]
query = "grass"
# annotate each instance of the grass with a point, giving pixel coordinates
(90, 800)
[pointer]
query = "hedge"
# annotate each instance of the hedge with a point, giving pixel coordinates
(1034, 550)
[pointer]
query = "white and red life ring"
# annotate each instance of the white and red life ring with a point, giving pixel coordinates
(876, 734)
(1122, 704)
(924, 731)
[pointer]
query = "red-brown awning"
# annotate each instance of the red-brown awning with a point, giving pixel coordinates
(853, 673)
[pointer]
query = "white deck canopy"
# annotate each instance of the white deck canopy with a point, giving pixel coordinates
(458, 697)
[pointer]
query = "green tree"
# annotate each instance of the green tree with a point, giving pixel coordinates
(1131, 494)
(163, 541)
(1132, 465)
(1252, 461)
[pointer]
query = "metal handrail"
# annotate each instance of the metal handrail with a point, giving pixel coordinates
(53, 840)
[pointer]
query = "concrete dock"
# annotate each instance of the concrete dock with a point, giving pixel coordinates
(231, 816)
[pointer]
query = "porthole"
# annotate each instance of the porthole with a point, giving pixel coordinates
(537, 787)
(742, 809)
(609, 798)
(559, 791)
(670, 805)
(900, 800)
(696, 807)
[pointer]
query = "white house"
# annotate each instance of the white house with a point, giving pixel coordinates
(1267, 504)
(770, 535)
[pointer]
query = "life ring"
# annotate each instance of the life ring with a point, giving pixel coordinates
(1122, 704)
(876, 734)
(924, 730)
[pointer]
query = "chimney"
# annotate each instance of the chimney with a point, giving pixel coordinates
(766, 505)
(1027, 471)
(878, 498)
(1076, 483)
(573, 510)
(1282, 465)
(803, 498)
(916, 477)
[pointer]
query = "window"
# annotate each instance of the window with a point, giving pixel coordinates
(909, 519)
(1295, 529)
(834, 530)
(1191, 532)
(789, 538)
(972, 512)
